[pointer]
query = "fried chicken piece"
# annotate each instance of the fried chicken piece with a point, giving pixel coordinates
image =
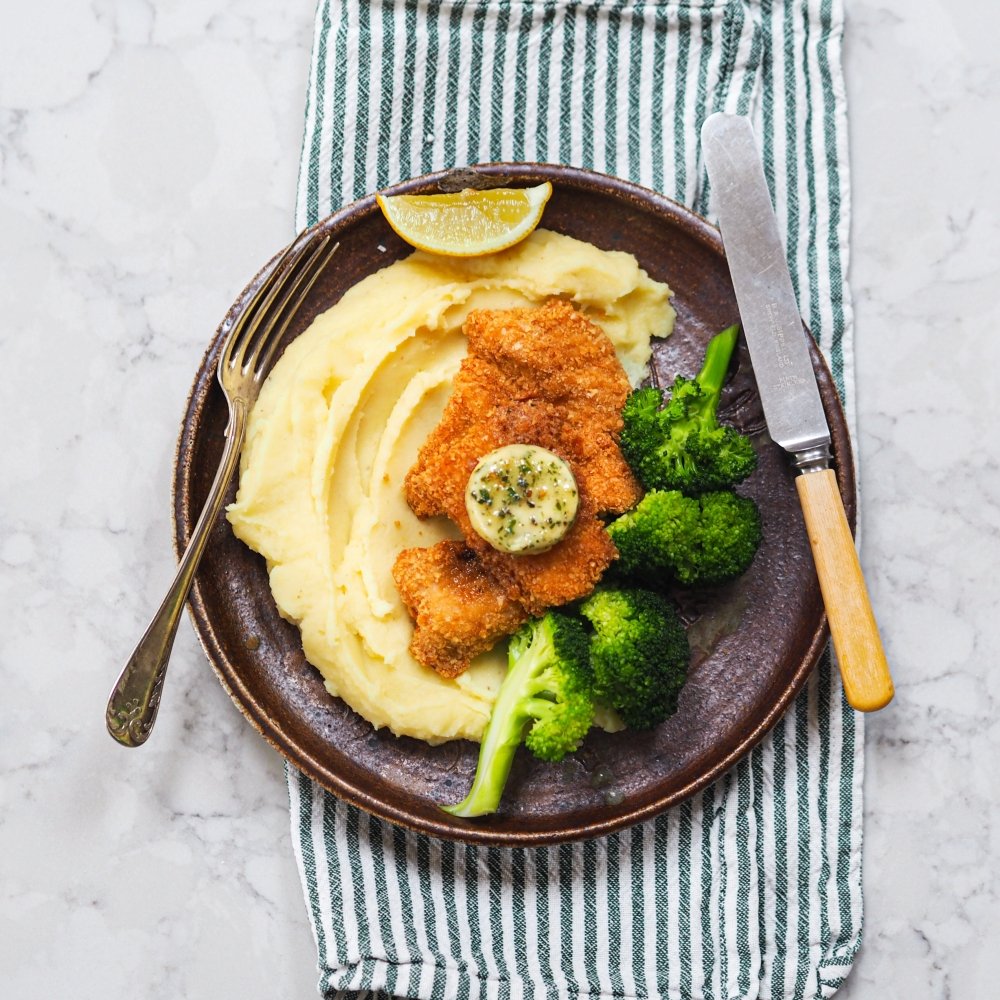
(565, 572)
(549, 377)
(545, 376)
(458, 608)
(552, 352)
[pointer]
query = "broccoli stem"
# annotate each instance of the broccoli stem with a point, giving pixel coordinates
(545, 701)
(713, 372)
(504, 734)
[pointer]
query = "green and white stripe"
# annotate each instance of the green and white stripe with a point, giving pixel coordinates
(753, 888)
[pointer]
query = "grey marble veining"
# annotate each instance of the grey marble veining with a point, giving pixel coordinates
(923, 80)
(148, 158)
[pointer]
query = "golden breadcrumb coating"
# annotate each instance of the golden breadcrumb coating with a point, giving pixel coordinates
(458, 609)
(545, 376)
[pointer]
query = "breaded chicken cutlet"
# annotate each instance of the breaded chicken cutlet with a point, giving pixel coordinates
(545, 376)
(456, 604)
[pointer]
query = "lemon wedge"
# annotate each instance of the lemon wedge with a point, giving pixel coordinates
(468, 223)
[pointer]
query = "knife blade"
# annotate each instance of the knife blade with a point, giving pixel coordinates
(776, 338)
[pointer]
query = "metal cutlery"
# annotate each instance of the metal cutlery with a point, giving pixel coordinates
(244, 360)
(789, 395)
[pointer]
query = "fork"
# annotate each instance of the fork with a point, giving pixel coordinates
(248, 350)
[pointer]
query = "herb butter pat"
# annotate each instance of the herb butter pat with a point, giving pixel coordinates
(521, 499)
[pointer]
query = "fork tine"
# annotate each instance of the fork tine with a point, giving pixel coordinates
(254, 304)
(270, 339)
(246, 325)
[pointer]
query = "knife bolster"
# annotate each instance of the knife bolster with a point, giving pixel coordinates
(814, 459)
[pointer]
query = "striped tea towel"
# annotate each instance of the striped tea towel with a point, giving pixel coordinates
(752, 888)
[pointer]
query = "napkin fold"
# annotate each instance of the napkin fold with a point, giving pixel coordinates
(753, 887)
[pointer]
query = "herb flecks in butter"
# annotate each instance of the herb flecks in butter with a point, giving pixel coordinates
(521, 499)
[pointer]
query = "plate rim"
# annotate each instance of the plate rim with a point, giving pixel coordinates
(272, 730)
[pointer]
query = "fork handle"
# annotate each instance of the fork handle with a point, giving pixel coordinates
(135, 697)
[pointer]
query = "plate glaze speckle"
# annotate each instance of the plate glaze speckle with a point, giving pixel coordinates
(757, 639)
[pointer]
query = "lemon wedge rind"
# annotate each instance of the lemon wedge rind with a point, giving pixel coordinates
(469, 223)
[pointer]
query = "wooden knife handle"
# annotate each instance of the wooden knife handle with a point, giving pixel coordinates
(856, 640)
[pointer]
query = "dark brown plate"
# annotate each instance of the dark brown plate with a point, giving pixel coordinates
(767, 631)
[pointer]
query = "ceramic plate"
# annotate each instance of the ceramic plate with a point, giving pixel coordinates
(756, 640)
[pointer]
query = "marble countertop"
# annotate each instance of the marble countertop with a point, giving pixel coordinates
(147, 167)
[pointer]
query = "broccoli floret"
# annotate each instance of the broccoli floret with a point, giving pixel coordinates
(681, 445)
(544, 701)
(639, 652)
(696, 541)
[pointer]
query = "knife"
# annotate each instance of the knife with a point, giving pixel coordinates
(790, 397)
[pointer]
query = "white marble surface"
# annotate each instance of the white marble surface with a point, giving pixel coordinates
(147, 166)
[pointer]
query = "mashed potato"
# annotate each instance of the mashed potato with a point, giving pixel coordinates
(338, 424)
